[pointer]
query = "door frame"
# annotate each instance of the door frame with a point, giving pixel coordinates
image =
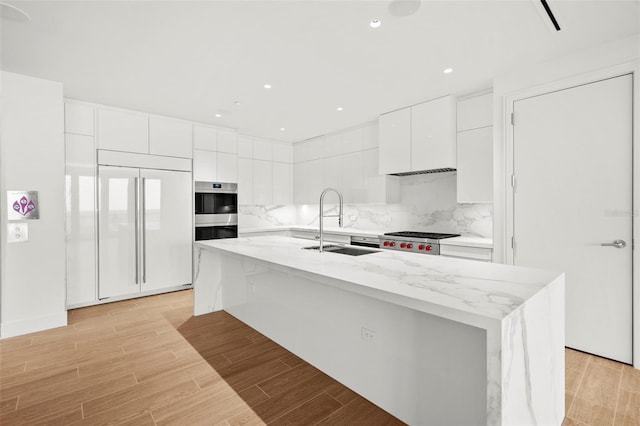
(632, 68)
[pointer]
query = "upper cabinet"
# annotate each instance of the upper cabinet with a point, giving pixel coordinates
(123, 131)
(475, 149)
(170, 137)
(215, 154)
(417, 138)
(129, 131)
(79, 118)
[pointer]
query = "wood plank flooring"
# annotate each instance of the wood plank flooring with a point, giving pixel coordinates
(149, 362)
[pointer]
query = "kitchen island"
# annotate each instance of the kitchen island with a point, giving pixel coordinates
(432, 340)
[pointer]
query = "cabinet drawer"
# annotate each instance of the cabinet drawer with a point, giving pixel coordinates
(463, 252)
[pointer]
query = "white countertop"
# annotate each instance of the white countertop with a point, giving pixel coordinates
(466, 241)
(440, 284)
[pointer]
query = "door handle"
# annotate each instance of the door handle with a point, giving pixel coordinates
(617, 244)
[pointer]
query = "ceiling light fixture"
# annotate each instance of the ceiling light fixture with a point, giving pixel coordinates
(448, 70)
(218, 115)
(267, 86)
(282, 129)
(375, 23)
(339, 109)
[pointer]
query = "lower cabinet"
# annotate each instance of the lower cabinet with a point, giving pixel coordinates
(466, 252)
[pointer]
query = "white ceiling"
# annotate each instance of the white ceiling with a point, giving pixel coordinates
(193, 59)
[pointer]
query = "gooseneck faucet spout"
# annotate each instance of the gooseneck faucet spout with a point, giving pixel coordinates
(322, 215)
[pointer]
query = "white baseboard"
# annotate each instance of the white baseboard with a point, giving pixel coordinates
(31, 325)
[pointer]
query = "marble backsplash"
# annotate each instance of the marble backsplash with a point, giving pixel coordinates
(427, 203)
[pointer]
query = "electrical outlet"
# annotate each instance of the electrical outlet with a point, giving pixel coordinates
(367, 334)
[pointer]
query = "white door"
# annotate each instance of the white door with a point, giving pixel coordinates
(118, 265)
(165, 249)
(573, 171)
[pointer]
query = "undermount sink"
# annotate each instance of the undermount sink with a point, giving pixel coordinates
(350, 251)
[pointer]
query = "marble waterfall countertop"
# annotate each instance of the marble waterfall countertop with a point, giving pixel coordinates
(433, 284)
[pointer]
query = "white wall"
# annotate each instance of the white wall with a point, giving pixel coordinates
(32, 277)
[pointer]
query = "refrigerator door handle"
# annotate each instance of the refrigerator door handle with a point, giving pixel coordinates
(135, 203)
(144, 231)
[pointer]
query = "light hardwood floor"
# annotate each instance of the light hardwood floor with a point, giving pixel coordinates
(148, 361)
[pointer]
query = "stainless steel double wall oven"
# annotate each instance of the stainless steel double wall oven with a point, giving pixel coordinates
(216, 210)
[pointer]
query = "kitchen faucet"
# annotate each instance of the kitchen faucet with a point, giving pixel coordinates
(322, 215)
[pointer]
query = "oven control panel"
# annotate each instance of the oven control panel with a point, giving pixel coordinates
(411, 246)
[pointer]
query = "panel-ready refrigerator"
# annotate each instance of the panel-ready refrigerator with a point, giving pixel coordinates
(144, 230)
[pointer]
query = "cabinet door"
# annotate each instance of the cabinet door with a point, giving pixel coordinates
(300, 152)
(281, 183)
(281, 152)
(301, 183)
(228, 141)
(205, 165)
(170, 137)
(475, 166)
(433, 135)
(332, 173)
(80, 157)
(395, 141)
(245, 147)
(262, 182)
(123, 131)
(205, 138)
(78, 119)
(353, 140)
(315, 181)
(118, 233)
(165, 249)
(475, 112)
(227, 167)
(353, 177)
(262, 150)
(245, 181)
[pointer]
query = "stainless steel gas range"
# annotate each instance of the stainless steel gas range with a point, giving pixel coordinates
(417, 242)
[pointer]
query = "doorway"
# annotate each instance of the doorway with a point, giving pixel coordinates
(572, 205)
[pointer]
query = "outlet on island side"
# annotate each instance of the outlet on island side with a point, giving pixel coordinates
(367, 334)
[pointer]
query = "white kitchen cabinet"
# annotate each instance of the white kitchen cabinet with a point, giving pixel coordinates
(300, 152)
(433, 134)
(315, 180)
(301, 183)
(123, 131)
(262, 150)
(315, 148)
(245, 146)
(475, 166)
(205, 166)
(353, 178)
(352, 141)
(281, 152)
(370, 136)
(332, 145)
(170, 137)
(332, 172)
(465, 252)
(80, 171)
(421, 137)
(205, 137)
(281, 183)
(395, 141)
(262, 182)
(475, 112)
(227, 141)
(245, 181)
(227, 167)
(79, 118)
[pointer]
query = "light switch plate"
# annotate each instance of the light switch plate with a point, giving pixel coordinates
(17, 232)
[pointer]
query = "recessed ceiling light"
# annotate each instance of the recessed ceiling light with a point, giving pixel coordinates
(267, 86)
(375, 23)
(448, 70)
(339, 109)
(282, 129)
(237, 103)
(218, 115)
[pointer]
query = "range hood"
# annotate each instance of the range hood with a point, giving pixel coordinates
(424, 172)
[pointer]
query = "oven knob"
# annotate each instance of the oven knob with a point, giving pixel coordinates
(428, 247)
(386, 243)
(409, 246)
(403, 245)
(421, 246)
(392, 244)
